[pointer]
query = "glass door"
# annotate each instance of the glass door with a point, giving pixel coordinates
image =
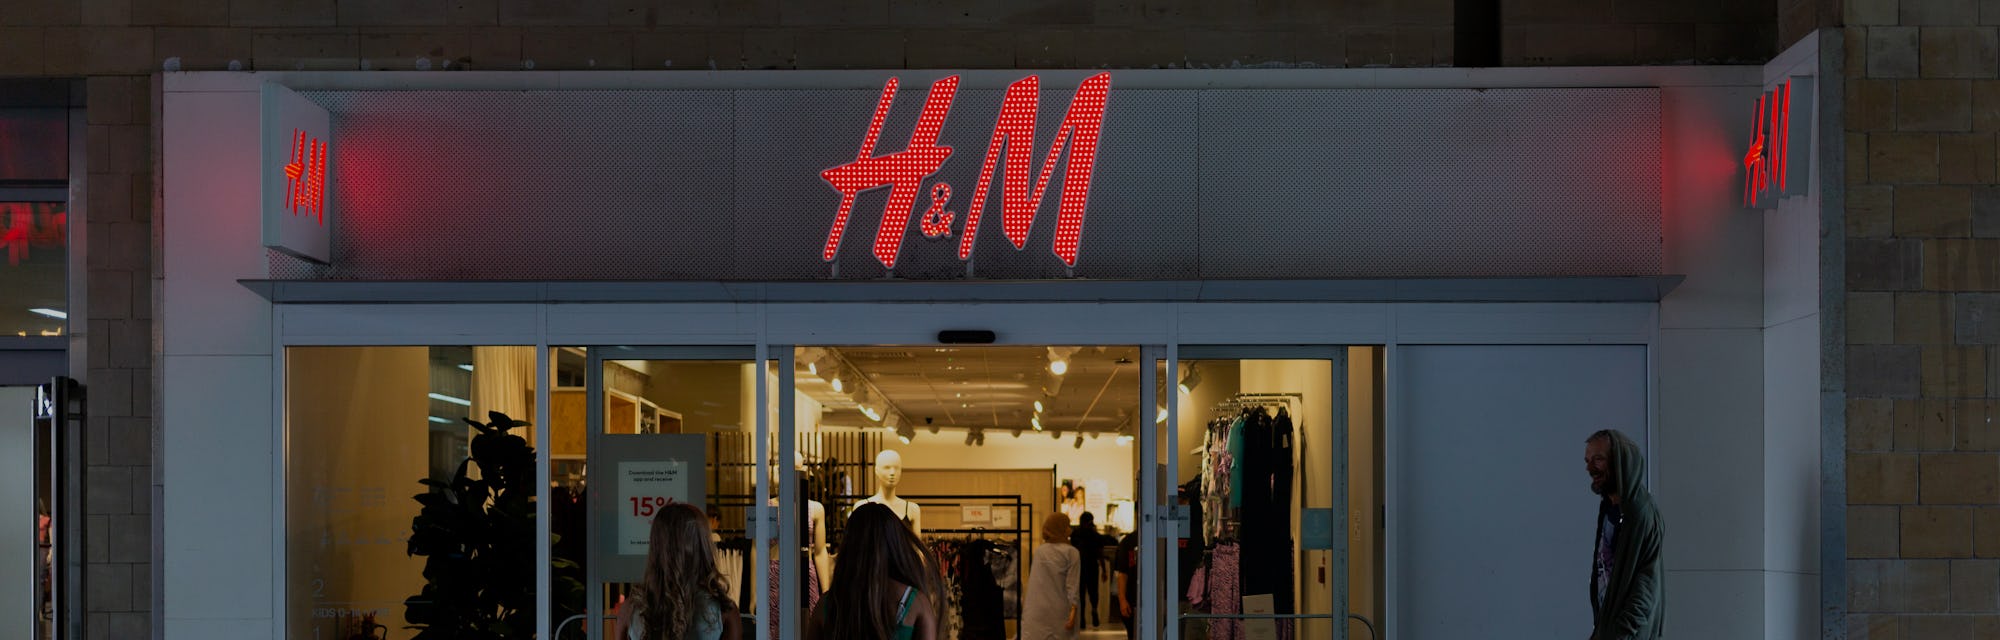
(640, 434)
(1255, 447)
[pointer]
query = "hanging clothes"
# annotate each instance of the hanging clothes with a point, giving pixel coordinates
(1225, 592)
(982, 609)
(808, 583)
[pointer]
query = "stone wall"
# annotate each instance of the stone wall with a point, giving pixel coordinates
(1923, 266)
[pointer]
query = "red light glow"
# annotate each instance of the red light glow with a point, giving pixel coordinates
(305, 176)
(1767, 164)
(1015, 132)
(903, 171)
(24, 226)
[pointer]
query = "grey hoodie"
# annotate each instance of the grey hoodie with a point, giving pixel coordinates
(1634, 602)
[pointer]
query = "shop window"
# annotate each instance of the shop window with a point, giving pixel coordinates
(1256, 473)
(34, 259)
(389, 519)
(34, 145)
(671, 428)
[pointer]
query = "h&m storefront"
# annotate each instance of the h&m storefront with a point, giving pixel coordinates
(1322, 345)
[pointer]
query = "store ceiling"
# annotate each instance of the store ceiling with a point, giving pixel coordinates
(962, 388)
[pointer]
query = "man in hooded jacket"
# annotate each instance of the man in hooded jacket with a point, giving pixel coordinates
(1627, 575)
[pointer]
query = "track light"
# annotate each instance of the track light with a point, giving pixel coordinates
(968, 438)
(1038, 406)
(837, 387)
(1056, 435)
(1079, 442)
(1037, 421)
(1191, 380)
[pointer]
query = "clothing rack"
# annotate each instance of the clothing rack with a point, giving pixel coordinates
(1024, 524)
(1293, 402)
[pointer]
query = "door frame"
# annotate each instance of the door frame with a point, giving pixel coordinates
(767, 325)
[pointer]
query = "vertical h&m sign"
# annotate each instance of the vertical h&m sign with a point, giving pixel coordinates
(296, 176)
(1780, 128)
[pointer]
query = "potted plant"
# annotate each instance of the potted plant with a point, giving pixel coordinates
(477, 532)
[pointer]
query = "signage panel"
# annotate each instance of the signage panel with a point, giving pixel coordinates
(1779, 160)
(296, 176)
(993, 175)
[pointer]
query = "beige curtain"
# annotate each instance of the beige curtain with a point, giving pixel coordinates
(503, 380)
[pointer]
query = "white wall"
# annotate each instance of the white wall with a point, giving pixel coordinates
(1791, 334)
(1496, 507)
(18, 590)
(217, 445)
(1708, 450)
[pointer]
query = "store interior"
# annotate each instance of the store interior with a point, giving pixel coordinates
(984, 440)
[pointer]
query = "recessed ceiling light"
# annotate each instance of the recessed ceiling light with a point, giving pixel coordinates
(53, 313)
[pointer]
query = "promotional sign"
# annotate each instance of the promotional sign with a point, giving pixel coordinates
(644, 487)
(975, 514)
(648, 473)
(296, 178)
(1779, 157)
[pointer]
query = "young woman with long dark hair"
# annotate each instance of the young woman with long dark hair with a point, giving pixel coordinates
(682, 595)
(885, 586)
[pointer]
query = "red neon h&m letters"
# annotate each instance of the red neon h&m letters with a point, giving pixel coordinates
(305, 176)
(1013, 136)
(1767, 166)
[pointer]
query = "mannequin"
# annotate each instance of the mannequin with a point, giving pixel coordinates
(888, 472)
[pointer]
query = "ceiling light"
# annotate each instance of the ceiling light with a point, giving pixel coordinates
(1057, 435)
(905, 439)
(837, 387)
(1079, 442)
(1017, 433)
(438, 420)
(1163, 416)
(1059, 359)
(1124, 441)
(457, 401)
(59, 315)
(812, 368)
(1037, 421)
(1038, 406)
(466, 367)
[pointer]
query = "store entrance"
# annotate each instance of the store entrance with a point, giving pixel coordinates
(1042, 478)
(1015, 465)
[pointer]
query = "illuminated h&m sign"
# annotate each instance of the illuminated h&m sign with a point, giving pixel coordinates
(1021, 189)
(1772, 169)
(297, 172)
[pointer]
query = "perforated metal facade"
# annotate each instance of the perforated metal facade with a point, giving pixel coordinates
(720, 184)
